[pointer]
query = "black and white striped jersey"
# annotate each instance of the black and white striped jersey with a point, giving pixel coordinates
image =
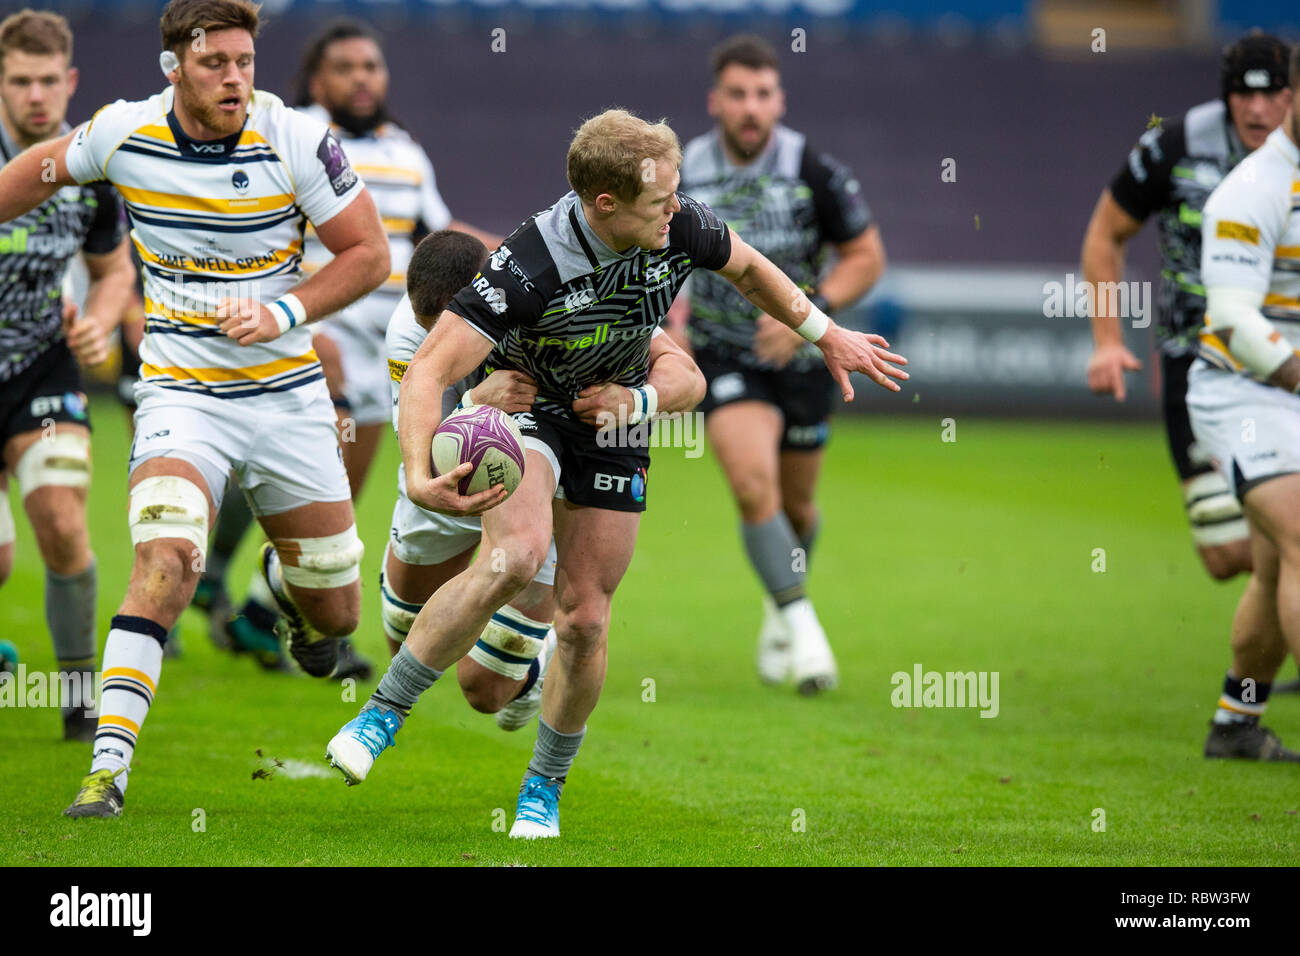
(34, 253)
(561, 306)
(788, 204)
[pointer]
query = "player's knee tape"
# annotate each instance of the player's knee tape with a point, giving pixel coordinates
(398, 615)
(509, 643)
(63, 460)
(1212, 510)
(167, 506)
(326, 562)
(7, 531)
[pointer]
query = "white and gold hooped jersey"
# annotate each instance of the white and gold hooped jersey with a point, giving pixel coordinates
(401, 181)
(1250, 239)
(217, 219)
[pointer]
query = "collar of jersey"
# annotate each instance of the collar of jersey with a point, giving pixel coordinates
(186, 144)
(1283, 142)
(604, 254)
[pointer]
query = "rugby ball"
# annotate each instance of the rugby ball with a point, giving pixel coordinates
(488, 439)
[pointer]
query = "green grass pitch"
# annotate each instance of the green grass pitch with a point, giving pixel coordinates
(973, 555)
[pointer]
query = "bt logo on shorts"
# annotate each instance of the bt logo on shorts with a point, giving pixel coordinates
(74, 403)
(634, 485)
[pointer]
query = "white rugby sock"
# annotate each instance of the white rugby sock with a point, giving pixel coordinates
(132, 665)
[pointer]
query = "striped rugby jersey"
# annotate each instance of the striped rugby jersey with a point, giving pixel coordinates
(1250, 239)
(212, 219)
(401, 181)
(1170, 174)
(788, 204)
(560, 305)
(35, 250)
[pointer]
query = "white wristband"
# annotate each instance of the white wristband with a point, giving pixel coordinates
(466, 401)
(645, 403)
(815, 326)
(288, 312)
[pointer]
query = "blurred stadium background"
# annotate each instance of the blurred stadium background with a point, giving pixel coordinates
(1012, 90)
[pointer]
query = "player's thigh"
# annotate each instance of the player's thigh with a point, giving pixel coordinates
(746, 437)
(359, 444)
(170, 509)
(52, 467)
(517, 532)
(53, 470)
(320, 553)
(1273, 507)
(415, 583)
(594, 548)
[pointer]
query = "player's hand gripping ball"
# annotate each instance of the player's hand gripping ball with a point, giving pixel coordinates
(486, 438)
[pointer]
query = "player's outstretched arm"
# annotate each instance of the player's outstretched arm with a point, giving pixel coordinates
(844, 351)
(33, 176)
(674, 384)
(452, 350)
(1109, 230)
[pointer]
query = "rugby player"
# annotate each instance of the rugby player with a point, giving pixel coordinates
(503, 672)
(343, 81)
(572, 299)
(44, 418)
(1169, 174)
(1245, 411)
(219, 181)
(769, 401)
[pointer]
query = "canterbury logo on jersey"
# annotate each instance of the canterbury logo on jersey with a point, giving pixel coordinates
(601, 335)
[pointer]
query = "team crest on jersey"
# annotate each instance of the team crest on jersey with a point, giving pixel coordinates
(337, 167)
(498, 258)
(656, 272)
(239, 179)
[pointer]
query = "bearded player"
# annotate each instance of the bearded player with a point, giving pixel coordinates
(343, 81)
(44, 417)
(770, 396)
(581, 290)
(220, 181)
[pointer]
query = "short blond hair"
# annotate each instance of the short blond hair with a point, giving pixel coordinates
(609, 152)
